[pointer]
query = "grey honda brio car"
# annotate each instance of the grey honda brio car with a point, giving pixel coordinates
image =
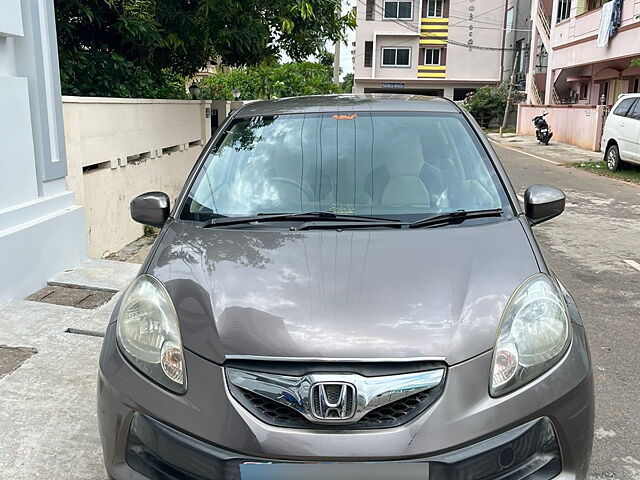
(348, 288)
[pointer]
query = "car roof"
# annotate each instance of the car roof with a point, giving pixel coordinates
(627, 95)
(376, 102)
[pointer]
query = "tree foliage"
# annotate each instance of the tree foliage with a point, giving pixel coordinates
(132, 47)
(347, 83)
(270, 81)
(486, 103)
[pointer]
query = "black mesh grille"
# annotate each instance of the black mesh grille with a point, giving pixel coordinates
(397, 410)
(268, 409)
(390, 415)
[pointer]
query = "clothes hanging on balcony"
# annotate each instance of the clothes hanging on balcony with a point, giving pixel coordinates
(616, 17)
(606, 17)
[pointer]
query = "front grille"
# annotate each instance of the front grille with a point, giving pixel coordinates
(389, 415)
(270, 411)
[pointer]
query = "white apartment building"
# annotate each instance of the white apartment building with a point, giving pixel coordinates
(439, 47)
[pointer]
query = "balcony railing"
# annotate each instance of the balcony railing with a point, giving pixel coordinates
(431, 71)
(434, 31)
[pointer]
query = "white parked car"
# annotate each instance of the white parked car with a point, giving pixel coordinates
(621, 137)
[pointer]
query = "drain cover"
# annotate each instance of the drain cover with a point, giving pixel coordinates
(12, 357)
(71, 297)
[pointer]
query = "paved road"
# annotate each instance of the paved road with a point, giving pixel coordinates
(587, 247)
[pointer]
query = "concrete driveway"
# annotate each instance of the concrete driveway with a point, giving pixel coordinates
(594, 247)
(48, 422)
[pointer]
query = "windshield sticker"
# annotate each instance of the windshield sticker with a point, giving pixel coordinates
(345, 117)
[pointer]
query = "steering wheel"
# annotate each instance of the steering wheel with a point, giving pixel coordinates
(298, 186)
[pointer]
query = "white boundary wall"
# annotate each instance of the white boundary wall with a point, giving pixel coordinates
(119, 148)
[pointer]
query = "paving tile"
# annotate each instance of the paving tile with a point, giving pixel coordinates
(71, 296)
(12, 357)
(106, 275)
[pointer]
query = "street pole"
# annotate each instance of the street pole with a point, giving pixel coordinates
(511, 85)
(336, 64)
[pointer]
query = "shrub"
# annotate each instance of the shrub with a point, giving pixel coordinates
(486, 103)
(270, 81)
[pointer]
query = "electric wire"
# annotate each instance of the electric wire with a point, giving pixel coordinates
(377, 9)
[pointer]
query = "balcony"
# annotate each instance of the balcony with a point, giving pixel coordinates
(573, 40)
(434, 31)
(431, 71)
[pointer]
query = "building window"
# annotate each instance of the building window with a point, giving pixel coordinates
(564, 9)
(396, 57)
(509, 23)
(594, 4)
(521, 52)
(435, 8)
(371, 5)
(636, 85)
(400, 10)
(368, 54)
(432, 56)
(584, 91)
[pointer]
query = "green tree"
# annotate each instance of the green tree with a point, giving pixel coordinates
(266, 81)
(143, 47)
(347, 83)
(486, 103)
(326, 58)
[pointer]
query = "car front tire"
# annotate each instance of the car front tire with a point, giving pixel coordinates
(612, 157)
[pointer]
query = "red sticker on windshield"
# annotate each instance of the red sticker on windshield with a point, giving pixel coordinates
(345, 117)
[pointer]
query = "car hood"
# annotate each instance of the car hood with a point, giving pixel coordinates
(428, 293)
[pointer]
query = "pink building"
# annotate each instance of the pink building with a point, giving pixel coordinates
(570, 75)
(568, 66)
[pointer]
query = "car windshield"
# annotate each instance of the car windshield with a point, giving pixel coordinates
(397, 165)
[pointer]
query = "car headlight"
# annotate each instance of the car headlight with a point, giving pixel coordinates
(533, 334)
(149, 334)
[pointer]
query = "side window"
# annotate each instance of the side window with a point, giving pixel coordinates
(623, 108)
(635, 111)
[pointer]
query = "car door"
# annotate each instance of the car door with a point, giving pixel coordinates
(633, 121)
(622, 129)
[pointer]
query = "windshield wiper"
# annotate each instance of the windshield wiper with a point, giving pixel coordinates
(333, 225)
(309, 216)
(453, 217)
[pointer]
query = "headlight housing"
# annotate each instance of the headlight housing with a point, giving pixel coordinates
(149, 334)
(533, 334)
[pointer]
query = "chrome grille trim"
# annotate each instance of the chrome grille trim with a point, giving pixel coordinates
(262, 358)
(371, 392)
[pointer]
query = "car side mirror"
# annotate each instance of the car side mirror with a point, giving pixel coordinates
(542, 203)
(151, 208)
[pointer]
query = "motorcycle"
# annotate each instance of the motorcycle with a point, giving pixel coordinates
(543, 133)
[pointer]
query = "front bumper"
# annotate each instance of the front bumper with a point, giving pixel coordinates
(161, 452)
(464, 416)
